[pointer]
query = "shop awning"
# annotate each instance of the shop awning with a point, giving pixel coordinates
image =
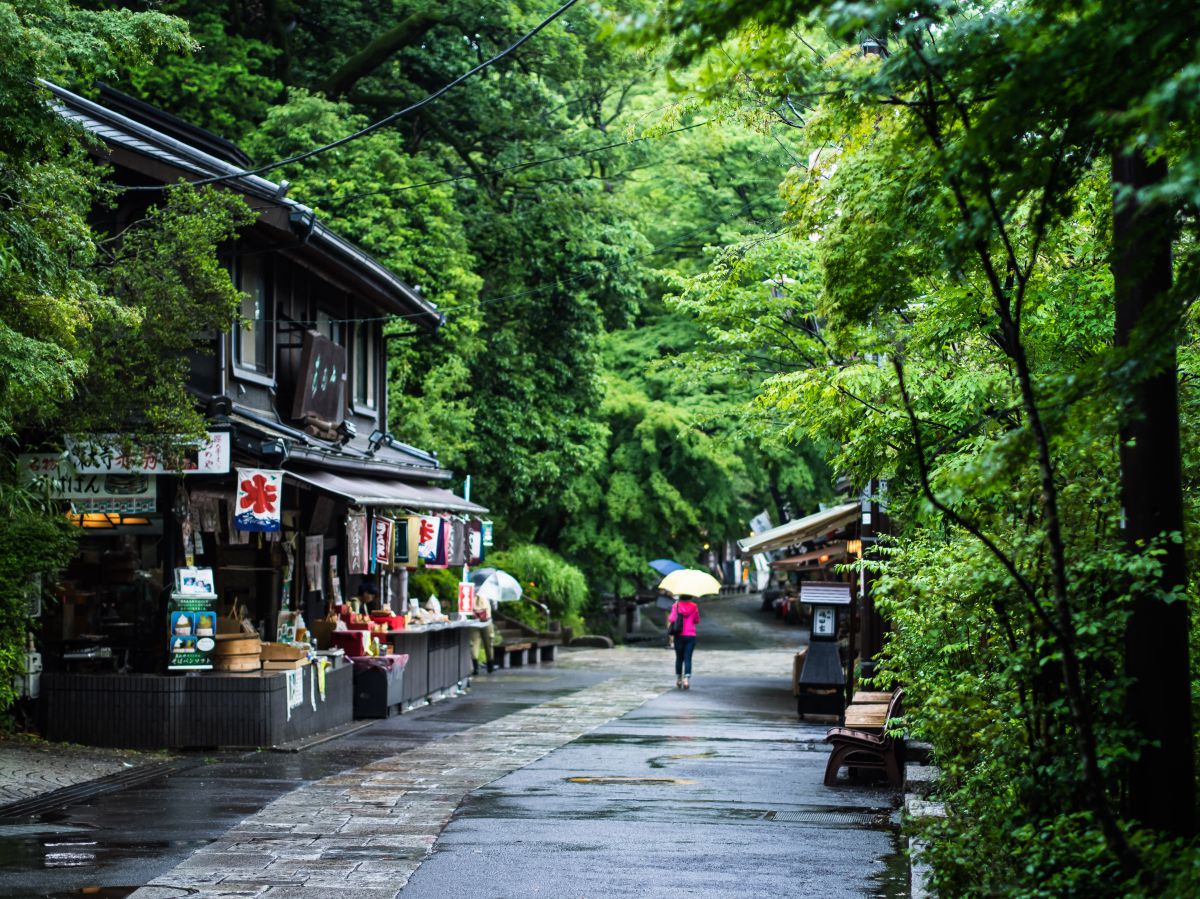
(801, 529)
(394, 494)
(830, 552)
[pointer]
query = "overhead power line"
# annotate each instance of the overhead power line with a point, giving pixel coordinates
(382, 123)
(558, 282)
(516, 167)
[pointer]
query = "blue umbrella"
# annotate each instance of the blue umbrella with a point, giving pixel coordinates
(665, 566)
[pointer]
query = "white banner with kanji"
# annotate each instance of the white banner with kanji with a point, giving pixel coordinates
(259, 497)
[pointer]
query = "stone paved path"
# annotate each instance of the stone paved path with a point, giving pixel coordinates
(361, 834)
(30, 768)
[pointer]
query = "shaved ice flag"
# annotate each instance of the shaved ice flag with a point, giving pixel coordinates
(258, 501)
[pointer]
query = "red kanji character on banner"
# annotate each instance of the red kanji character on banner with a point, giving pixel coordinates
(259, 494)
(258, 500)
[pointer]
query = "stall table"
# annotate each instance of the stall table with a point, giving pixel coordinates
(198, 710)
(439, 657)
(378, 685)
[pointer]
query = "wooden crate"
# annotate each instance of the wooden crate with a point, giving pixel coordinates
(284, 664)
(282, 652)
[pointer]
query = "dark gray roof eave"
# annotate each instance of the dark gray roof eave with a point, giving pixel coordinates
(387, 290)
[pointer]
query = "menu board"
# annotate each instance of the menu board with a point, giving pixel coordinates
(192, 631)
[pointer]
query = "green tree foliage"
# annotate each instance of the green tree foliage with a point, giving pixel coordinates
(56, 310)
(545, 578)
(950, 329)
(227, 85)
(46, 247)
(535, 266)
(171, 293)
(33, 544)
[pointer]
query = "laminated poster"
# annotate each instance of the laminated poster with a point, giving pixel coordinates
(192, 625)
(258, 501)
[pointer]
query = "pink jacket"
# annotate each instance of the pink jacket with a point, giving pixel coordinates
(690, 612)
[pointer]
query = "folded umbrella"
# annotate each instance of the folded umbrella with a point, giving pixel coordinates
(690, 582)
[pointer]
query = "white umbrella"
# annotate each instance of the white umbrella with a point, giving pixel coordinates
(495, 585)
(690, 582)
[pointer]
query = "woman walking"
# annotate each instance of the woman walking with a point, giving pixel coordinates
(687, 613)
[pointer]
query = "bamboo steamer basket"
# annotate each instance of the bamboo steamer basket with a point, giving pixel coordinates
(237, 645)
(237, 664)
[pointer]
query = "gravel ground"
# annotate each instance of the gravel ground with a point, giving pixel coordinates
(30, 767)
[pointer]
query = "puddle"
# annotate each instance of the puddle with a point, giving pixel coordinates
(72, 850)
(99, 892)
(893, 880)
(28, 830)
(631, 781)
(660, 761)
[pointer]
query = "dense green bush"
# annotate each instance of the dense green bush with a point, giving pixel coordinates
(545, 577)
(439, 582)
(33, 542)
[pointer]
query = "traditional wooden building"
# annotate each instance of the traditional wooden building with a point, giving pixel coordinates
(297, 389)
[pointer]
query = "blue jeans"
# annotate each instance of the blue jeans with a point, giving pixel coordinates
(683, 656)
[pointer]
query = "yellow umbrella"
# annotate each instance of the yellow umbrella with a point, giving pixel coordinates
(690, 582)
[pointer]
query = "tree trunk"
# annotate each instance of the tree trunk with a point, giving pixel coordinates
(1162, 783)
(368, 59)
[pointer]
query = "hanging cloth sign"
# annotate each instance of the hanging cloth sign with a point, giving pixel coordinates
(402, 554)
(429, 538)
(414, 541)
(441, 560)
(259, 497)
(456, 545)
(385, 530)
(358, 549)
(474, 542)
(314, 550)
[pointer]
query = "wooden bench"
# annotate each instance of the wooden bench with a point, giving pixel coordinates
(856, 748)
(514, 655)
(867, 696)
(867, 716)
(522, 643)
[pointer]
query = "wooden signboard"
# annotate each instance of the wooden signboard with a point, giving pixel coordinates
(321, 390)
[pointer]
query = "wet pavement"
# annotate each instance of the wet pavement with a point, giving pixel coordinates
(714, 792)
(30, 768)
(591, 776)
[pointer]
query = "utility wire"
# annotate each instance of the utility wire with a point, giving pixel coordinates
(517, 167)
(558, 282)
(382, 123)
